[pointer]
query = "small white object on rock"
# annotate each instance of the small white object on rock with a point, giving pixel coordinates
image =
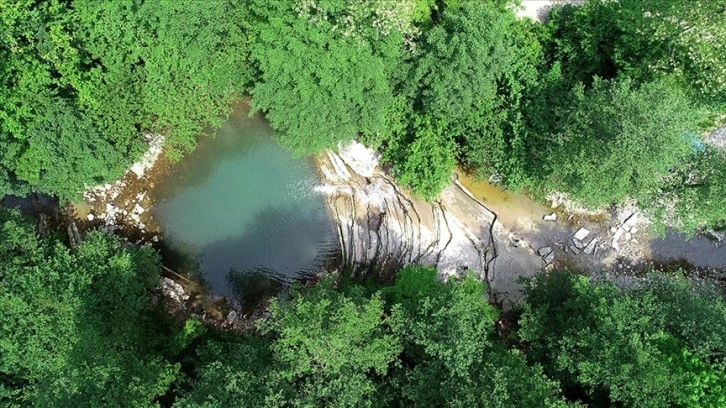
(544, 251)
(231, 316)
(581, 234)
(90, 217)
(718, 236)
(630, 222)
(550, 217)
(172, 290)
(139, 209)
(590, 248)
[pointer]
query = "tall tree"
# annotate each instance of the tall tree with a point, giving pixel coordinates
(77, 327)
(463, 83)
(616, 141)
(634, 348)
(82, 82)
(50, 140)
(325, 348)
(694, 194)
(644, 40)
(451, 356)
(322, 71)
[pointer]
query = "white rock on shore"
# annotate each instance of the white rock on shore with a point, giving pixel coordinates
(156, 145)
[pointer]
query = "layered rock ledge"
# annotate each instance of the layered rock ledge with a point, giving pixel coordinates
(382, 226)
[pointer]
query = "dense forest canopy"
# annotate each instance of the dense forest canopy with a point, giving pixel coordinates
(80, 328)
(601, 102)
(605, 102)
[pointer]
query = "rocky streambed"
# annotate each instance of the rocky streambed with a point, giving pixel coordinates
(502, 236)
(382, 226)
(472, 226)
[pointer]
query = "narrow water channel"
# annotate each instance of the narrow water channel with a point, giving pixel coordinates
(523, 217)
(242, 214)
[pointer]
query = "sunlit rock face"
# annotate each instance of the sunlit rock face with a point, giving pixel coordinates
(381, 225)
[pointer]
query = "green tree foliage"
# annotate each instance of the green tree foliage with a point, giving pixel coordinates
(326, 348)
(329, 345)
(670, 53)
(82, 82)
(428, 344)
(499, 147)
(583, 39)
(635, 348)
(49, 138)
(616, 141)
(426, 163)
(464, 78)
(234, 372)
(644, 40)
(693, 196)
(460, 60)
(451, 356)
(77, 327)
(195, 65)
(323, 70)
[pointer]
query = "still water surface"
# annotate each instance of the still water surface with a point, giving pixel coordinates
(242, 214)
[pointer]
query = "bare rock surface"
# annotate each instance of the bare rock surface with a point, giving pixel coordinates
(383, 226)
(172, 290)
(124, 203)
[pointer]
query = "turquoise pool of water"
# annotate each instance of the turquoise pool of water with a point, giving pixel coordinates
(242, 214)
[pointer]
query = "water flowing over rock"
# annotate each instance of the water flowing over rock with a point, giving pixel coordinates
(380, 225)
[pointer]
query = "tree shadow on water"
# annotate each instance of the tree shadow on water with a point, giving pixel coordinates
(281, 246)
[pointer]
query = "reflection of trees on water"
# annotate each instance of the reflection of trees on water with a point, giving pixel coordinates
(234, 137)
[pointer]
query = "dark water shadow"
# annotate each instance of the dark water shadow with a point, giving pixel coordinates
(182, 257)
(279, 248)
(32, 204)
(699, 251)
(251, 286)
